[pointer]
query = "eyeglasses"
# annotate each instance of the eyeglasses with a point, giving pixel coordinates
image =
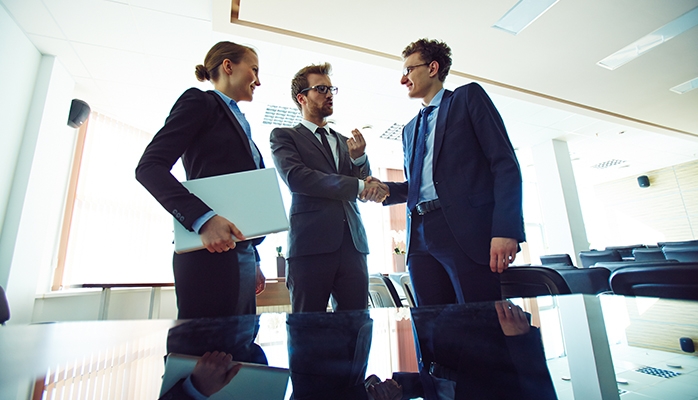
(406, 71)
(322, 89)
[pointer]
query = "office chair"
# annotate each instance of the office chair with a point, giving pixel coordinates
(4, 307)
(614, 265)
(587, 280)
(556, 260)
(680, 243)
(648, 254)
(679, 281)
(681, 253)
(626, 251)
(527, 281)
(590, 258)
(406, 283)
(381, 292)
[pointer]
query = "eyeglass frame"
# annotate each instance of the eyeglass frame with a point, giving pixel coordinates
(408, 70)
(318, 88)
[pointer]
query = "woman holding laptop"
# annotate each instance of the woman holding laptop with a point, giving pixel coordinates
(211, 135)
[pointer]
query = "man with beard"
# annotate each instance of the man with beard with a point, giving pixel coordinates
(325, 172)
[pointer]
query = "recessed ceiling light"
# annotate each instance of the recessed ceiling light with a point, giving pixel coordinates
(522, 15)
(686, 86)
(650, 41)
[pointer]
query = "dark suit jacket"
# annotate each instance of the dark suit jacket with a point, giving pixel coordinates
(322, 197)
(476, 173)
(205, 133)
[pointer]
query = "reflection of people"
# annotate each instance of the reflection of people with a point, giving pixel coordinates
(463, 188)
(210, 133)
(212, 372)
(324, 171)
(474, 352)
(328, 354)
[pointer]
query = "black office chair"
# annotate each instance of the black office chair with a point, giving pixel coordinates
(556, 260)
(406, 283)
(614, 265)
(381, 292)
(4, 307)
(587, 280)
(681, 253)
(626, 251)
(648, 254)
(679, 281)
(525, 281)
(679, 243)
(590, 258)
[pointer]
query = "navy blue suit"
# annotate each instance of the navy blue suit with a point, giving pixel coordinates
(478, 183)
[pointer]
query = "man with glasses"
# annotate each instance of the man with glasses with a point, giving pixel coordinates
(325, 173)
(463, 188)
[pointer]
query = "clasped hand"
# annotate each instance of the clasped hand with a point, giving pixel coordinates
(374, 190)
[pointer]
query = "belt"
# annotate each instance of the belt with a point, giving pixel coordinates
(442, 372)
(427, 206)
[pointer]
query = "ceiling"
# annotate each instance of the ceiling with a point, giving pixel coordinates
(132, 58)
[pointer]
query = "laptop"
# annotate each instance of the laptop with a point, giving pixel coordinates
(254, 381)
(250, 199)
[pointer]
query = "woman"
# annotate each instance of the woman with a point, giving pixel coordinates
(210, 134)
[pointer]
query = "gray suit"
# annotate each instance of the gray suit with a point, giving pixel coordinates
(326, 239)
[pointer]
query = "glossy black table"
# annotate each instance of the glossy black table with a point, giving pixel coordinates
(605, 347)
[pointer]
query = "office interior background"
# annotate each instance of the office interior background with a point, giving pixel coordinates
(71, 211)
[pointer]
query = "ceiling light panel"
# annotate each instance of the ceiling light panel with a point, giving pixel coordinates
(686, 86)
(650, 41)
(522, 15)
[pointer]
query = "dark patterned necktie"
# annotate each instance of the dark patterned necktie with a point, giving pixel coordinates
(323, 138)
(415, 181)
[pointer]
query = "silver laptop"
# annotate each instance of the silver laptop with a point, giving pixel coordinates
(254, 381)
(250, 199)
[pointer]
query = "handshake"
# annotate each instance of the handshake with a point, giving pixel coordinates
(374, 190)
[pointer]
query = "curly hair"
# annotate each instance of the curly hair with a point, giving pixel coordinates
(300, 80)
(431, 50)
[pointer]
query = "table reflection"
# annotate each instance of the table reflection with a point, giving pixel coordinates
(605, 347)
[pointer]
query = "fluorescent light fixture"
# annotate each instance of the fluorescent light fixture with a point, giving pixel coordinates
(650, 41)
(686, 86)
(523, 14)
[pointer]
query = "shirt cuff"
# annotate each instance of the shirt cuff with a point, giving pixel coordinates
(189, 388)
(362, 185)
(202, 220)
(359, 161)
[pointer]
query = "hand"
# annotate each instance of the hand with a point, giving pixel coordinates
(512, 318)
(388, 390)
(213, 371)
(217, 234)
(374, 190)
(260, 282)
(502, 253)
(356, 144)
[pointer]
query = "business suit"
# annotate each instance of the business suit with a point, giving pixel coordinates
(477, 180)
(326, 236)
(203, 131)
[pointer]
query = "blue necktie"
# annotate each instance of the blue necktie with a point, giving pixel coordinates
(420, 145)
(248, 132)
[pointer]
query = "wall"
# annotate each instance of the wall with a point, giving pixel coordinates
(667, 210)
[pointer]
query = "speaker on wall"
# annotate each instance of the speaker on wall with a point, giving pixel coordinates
(643, 181)
(79, 111)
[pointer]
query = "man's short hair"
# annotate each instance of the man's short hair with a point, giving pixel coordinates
(300, 80)
(431, 50)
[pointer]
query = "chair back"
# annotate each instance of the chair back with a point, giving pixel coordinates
(4, 307)
(681, 253)
(590, 258)
(680, 243)
(626, 251)
(406, 283)
(527, 281)
(587, 280)
(554, 259)
(648, 254)
(678, 281)
(382, 293)
(614, 265)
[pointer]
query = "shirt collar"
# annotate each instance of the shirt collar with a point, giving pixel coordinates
(225, 98)
(312, 127)
(436, 101)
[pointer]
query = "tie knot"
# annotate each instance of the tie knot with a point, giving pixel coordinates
(427, 110)
(321, 131)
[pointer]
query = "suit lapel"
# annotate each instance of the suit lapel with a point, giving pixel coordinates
(444, 108)
(310, 136)
(410, 137)
(234, 121)
(342, 153)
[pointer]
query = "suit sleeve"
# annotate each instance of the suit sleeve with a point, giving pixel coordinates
(304, 180)
(507, 217)
(186, 121)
